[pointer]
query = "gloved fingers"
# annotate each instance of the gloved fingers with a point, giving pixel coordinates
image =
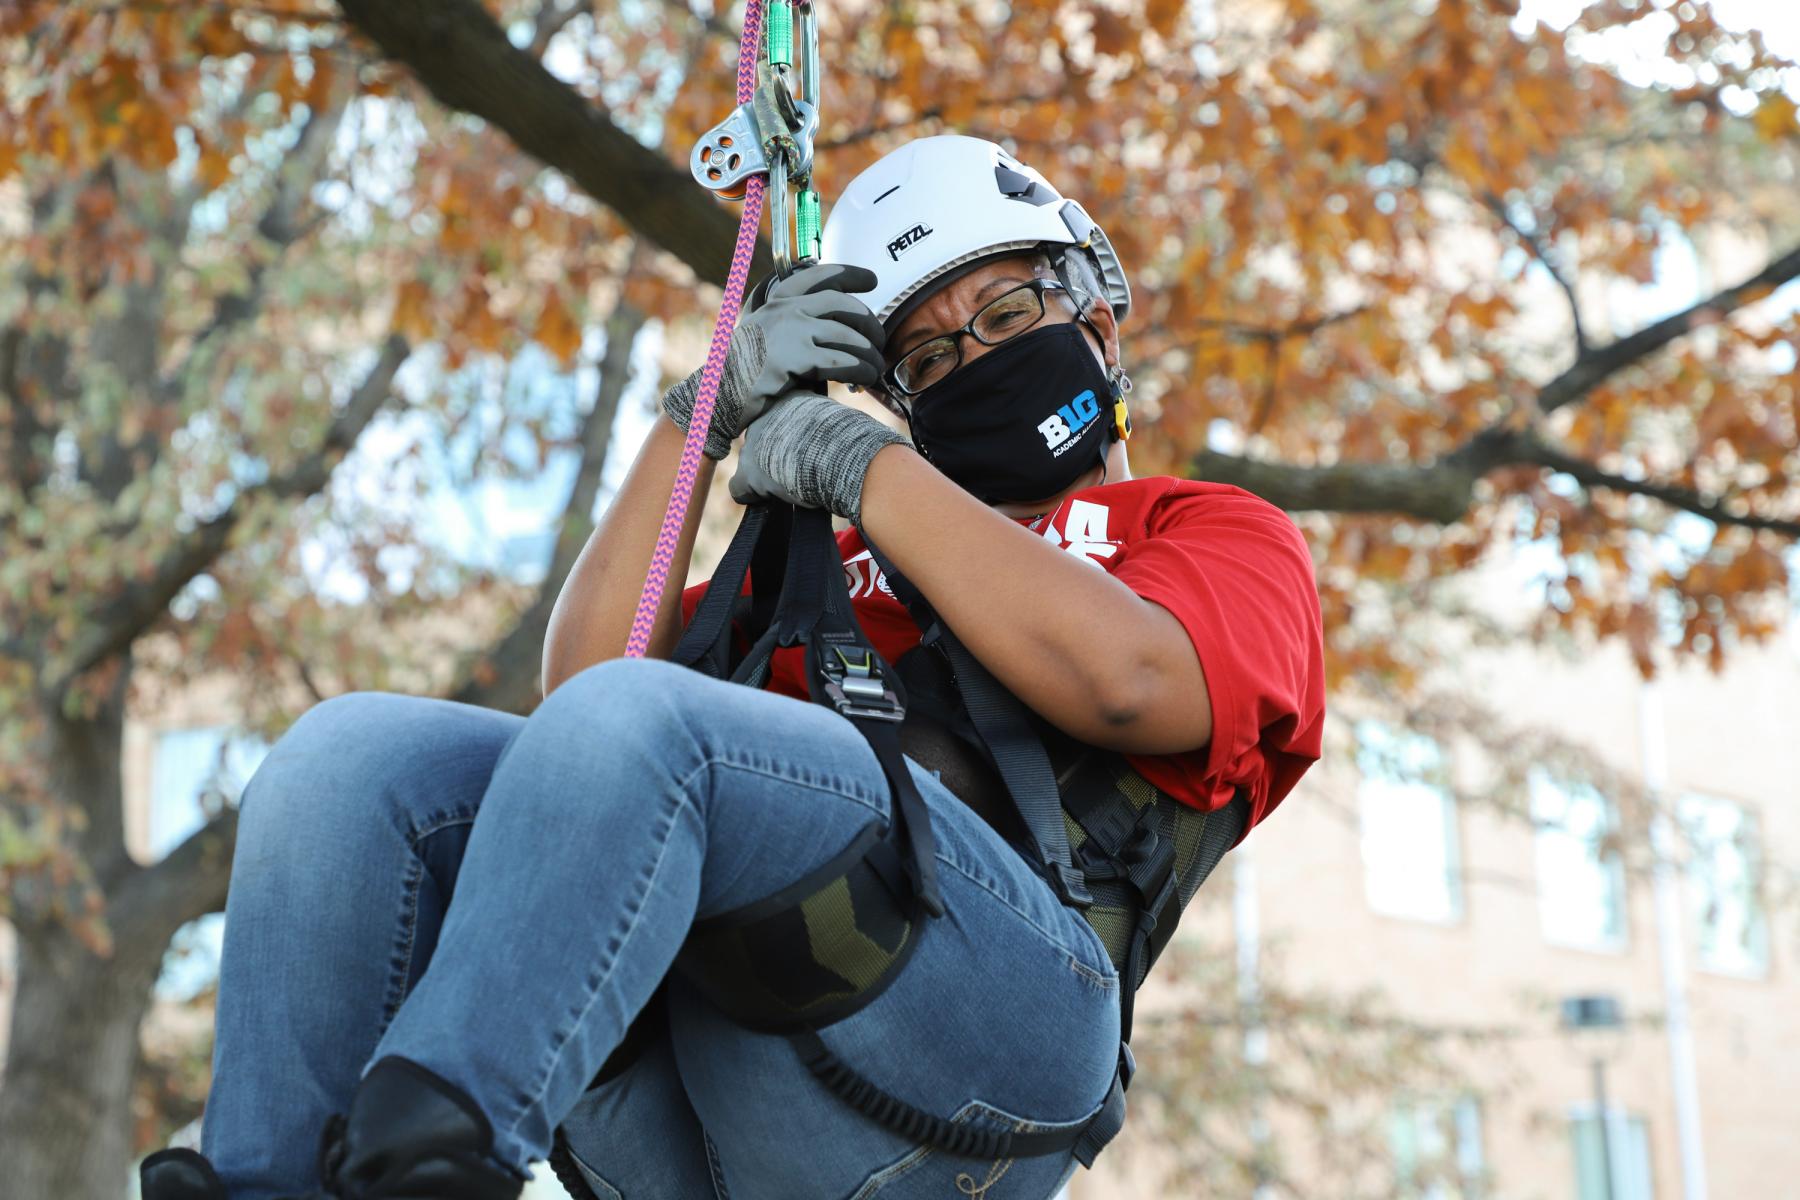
(845, 310)
(752, 485)
(815, 349)
(847, 362)
(824, 277)
(742, 490)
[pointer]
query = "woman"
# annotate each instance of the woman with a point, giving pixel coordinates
(581, 845)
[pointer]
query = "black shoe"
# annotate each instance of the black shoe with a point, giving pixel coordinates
(179, 1175)
(411, 1135)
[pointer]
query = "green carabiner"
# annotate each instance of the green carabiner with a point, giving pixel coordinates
(781, 34)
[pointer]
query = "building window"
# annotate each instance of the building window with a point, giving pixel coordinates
(1581, 882)
(1437, 1149)
(1723, 874)
(191, 773)
(1411, 863)
(1629, 1142)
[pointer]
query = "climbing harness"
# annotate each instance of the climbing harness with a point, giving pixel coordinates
(1107, 842)
(1126, 855)
(764, 148)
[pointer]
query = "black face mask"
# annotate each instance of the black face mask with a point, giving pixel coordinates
(1021, 422)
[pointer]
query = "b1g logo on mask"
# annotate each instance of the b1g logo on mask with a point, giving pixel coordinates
(1059, 429)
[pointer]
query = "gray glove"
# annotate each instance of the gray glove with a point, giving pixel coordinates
(808, 329)
(812, 452)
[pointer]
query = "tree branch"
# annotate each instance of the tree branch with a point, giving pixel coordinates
(1590, 370)
(508, 675)
(1535, 243)
(1589, 475)
(464, 58)
(553, 16)
(24, 435)
(280, 225)
(1443, 490)
(150, 904)
(140, 604)
(1245, 331)
(1439, 491)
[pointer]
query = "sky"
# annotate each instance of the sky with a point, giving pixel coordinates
(1637, 54)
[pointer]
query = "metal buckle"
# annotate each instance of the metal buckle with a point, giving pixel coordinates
(855, 685)
(1070, 886)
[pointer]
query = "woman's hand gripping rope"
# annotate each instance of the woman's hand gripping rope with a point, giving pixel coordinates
(807, 330)
(810, 451)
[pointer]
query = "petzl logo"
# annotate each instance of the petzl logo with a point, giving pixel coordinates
(907, 241)
(1059, 429)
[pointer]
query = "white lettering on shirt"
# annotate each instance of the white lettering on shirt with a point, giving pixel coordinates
(863, 578)
(1084, 533)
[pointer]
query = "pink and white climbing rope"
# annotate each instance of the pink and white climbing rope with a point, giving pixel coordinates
(688, 472)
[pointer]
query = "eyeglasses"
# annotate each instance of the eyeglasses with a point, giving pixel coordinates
(1001, 319)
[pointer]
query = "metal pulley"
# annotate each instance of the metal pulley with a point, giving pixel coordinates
(773, 135)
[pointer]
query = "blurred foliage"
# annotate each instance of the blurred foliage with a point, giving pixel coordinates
(1284, 1088)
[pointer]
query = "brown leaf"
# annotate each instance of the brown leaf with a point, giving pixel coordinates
(557, 330)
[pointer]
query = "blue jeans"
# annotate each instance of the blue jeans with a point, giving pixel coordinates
(496, 898)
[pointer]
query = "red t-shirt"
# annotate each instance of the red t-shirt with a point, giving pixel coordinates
(1233, 570)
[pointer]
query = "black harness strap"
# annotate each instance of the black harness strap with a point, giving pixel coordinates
(828, 944)
(1006, 732)
(706, 642)
(915, 1124)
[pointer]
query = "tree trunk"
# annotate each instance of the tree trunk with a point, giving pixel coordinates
(65, 1098)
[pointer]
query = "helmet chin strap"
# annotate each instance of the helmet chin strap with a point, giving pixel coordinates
(1120, 429)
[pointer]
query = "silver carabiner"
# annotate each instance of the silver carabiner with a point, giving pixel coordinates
(772, 135)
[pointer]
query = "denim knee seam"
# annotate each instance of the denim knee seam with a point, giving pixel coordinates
(405, 943)
(400, 964)
(436, 822)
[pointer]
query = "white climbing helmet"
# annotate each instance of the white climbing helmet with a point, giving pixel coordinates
(940, 203)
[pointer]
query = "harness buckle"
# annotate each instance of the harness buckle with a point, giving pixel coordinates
(855, 684)
(1070, 885)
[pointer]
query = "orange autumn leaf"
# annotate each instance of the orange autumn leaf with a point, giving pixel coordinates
(412, 316)
(317, 91)
(216, 36)
(213, 168)
(1775, 118)
(556, 329)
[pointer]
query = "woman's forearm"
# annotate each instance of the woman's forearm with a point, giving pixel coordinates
(1076, 645)
(593, 614)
